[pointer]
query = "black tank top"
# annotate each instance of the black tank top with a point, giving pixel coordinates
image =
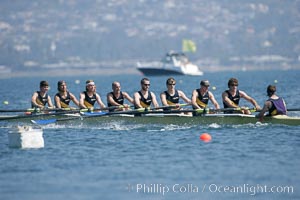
(40, 100)
(171, 100)
(202, 101)
(235, 99)
(119, 100)
(64, 102)
(145, 103)
(89, 101)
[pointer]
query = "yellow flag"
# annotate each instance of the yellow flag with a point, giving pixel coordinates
(188, 46)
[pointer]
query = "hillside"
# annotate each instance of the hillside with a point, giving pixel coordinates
(107, 35)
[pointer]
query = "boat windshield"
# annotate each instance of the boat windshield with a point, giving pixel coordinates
(175, 56)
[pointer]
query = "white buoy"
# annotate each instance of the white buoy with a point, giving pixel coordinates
(26, 137)
(77, 81)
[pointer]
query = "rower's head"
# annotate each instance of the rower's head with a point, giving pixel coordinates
(145, 83)
(116, 86)
(44, 86)
(171, 82)
(233, 82)
(271, 89)
(61, 85)
(89, 84)
(204, 83)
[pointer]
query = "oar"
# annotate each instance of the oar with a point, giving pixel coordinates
(88, 115)
(293, 109)
(170, 106)
(39, 110)
(61, 109)
(255, 110)
(139, 111)
(12, 117)
(53, 120)
(100, 114)
(85, 115)
(207, 110)
(132, 112)
(19, 110)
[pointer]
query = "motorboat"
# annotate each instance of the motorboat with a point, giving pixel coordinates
(172, 64)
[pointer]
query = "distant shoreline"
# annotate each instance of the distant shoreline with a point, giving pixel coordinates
(131, 71)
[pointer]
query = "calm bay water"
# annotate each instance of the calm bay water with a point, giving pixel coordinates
(153, 161)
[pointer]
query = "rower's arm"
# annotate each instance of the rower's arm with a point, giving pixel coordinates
(74, 99)
(250, 99)
(182, 95)
(194, 99)
(33, 100)
(126, 96)
(285, 106)
(50, 104)
(163, 99)
(136, 98)
(99, 101)
(57, 101)
(266, 107)
(111, 100)
(81, 101)
(227, 101)
(154, 101)
(213, 100)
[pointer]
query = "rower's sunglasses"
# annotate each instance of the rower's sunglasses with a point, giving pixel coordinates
(234, 85)
(171, 84)
(146, 84)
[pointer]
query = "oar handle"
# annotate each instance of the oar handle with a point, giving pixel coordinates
(293, 109)
(207, 110)
(170, 106)
(106, 108)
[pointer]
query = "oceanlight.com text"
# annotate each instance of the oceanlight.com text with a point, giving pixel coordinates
(249, 189)
(163, 189)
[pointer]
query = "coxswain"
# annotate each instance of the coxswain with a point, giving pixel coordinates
(275, 105)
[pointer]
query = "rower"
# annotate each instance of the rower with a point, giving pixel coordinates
(275, 105)
(201, 96)
(232, 96)
(171, 96)
(144, 98)
(116, 98)
(41, 98)
(90, 96)
(63, 97)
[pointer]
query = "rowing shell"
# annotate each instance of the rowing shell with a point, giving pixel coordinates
(172, 118)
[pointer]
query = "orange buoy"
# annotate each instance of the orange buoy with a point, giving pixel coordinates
(205, 137)
(27, 113)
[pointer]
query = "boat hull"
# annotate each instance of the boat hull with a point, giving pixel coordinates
(158, 72)
(162, 118)
(183, 119)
